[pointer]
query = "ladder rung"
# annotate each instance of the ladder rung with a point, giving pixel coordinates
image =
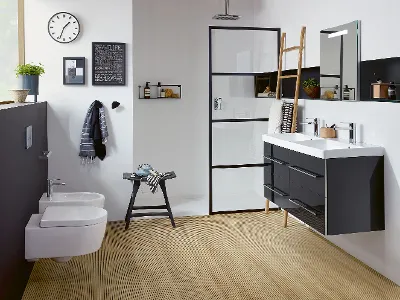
(292, 49)
(288, 76)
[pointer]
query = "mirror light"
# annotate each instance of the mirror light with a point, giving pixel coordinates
(339, 33)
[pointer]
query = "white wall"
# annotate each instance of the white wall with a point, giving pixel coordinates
(377, 122)
(171, 46)
(101, 21)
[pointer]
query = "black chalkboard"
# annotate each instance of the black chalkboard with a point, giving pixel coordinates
(108, 66)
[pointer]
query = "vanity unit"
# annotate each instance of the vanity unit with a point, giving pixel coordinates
(334, 187)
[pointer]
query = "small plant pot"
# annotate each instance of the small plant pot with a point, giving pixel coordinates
(19, 96)
(312, 92)
(31, 83)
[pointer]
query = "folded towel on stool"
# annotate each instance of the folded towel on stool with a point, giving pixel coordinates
(153, 178)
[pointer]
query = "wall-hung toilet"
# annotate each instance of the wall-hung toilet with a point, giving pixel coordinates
(62, 232)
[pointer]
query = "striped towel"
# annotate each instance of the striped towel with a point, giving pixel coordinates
(287, 118)
(87, 150)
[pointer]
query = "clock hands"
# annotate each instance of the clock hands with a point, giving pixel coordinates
(62, 31)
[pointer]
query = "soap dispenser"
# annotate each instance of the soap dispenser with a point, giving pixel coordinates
(346, 93)
(147, 91)
(392, 91)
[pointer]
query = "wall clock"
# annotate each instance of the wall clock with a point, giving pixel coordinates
(64, 27)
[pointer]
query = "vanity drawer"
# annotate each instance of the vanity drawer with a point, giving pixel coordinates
(279, 197)
(281, 154)
(268, 174)
(308, 200)
(317, 223)
(307, 162)
(267, 149)
(281, 177)
(311, 181)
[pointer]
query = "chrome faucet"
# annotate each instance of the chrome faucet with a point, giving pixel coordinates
(50, 184)
(352, 131)
(314, 122)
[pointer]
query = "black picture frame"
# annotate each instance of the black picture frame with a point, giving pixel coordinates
(116, 66)
(74, 73)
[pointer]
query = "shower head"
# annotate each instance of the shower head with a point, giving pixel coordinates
(226, 16)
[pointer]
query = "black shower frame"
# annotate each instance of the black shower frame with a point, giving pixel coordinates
(211, 106)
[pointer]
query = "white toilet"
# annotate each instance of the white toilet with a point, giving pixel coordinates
(62, 232)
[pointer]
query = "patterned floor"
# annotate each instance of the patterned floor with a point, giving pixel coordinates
(241, 256)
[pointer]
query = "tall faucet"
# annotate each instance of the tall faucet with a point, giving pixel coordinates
(352, 131)
(50, 184)
(314, 122)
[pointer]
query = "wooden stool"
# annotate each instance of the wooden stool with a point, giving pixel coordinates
(136, 185)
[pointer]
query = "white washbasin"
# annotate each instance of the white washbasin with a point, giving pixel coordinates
(321, 148)
(294, 137)
(71, 199)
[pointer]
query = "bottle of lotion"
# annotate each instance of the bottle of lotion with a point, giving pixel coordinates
(147, 92)
(392, 91)
(159, 90)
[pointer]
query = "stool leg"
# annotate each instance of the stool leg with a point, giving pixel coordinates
(267, 206)
(164, 190)
(135, 190)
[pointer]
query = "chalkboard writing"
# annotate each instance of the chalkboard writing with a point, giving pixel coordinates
(108, 64)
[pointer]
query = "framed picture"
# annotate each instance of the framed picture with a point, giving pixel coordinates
(108, 65)
(74, 70)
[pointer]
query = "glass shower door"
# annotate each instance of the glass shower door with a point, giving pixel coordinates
(237, 118)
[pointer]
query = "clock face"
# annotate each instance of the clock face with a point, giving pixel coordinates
(64, 27)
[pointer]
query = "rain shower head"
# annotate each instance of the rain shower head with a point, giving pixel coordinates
(226, 16)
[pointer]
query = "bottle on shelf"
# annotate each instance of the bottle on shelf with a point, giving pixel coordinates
(336, 92)
(392, 91)
(159, 90)
(147, 91)
(162, 93)
(346, 93)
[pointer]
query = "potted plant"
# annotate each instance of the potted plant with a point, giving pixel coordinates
(30, 77)
(311, 87)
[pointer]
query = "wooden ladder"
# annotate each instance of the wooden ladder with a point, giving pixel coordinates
(297, 93)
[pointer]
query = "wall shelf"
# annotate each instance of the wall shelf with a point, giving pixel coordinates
(178, 91)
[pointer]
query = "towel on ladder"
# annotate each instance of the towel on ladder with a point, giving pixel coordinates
(287, 117)
(94, 134)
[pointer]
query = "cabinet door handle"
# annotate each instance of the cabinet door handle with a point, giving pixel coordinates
(305, 172)
(305, 206)
(276, 191)
(278, 161)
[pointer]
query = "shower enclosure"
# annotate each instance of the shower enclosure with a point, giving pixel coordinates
(237, 119)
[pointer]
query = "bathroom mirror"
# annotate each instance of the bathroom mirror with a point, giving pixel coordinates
(340, 62)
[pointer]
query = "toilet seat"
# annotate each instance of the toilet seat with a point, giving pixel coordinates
(72, 216)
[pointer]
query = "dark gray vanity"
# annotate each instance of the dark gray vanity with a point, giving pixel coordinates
(333, 196)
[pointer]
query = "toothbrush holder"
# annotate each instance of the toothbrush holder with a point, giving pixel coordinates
(327, 133)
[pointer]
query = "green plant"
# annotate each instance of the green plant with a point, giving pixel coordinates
(29, 69)
(310, 83)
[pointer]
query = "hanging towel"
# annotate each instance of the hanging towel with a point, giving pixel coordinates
(287, 117)
(94, 134)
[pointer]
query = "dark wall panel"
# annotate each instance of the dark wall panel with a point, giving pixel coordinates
(22, 182)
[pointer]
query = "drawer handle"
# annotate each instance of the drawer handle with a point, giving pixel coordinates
(305, 206)
(279, 162)
(305, 172)
(276, 191)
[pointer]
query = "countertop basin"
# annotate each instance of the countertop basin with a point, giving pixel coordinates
(71, 199)
(321, 148)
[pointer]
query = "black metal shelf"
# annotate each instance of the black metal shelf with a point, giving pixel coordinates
(239, 120)
(162, 85)
(237, 74)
